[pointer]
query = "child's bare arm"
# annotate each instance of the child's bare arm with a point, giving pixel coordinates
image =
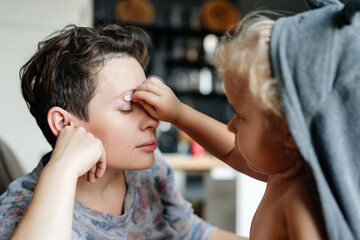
(161, 103)
(50, 212)
(220, 235)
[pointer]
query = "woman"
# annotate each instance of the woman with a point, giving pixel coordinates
(77, 87)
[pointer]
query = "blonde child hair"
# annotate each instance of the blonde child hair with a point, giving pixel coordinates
(244, 56)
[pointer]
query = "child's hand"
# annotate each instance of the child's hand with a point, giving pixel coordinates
(158, 100)
(80, 151)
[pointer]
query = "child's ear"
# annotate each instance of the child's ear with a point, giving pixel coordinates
(58, 118)
(289, 141)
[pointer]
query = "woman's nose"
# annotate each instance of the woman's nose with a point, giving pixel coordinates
(150, 122)
(147, 121)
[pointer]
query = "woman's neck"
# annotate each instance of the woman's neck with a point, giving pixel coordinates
(101, 194)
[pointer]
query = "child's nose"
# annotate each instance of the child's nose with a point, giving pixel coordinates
(230, 126)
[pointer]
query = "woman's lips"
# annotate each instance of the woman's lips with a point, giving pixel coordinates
(148, 146)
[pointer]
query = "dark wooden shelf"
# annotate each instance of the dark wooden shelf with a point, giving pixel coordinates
(212, 95)
(170, 62)
(163, 30)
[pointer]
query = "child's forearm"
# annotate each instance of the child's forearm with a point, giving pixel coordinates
(214, 137)
(50, 212)
(208, 132)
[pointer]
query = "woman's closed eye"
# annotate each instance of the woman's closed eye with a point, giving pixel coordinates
(126, 107)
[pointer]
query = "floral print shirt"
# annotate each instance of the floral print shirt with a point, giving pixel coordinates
(153, 209)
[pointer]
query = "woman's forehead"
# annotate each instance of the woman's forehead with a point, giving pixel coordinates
(122, 72)
(120, 76)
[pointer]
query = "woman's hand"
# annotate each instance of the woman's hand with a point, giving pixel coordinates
(77, 152)
(158, 100)
(80, 151)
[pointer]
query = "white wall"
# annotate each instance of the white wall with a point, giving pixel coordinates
(249, 193)
(23, 23)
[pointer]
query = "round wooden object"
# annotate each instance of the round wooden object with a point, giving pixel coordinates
(219, 15)
(135, 11)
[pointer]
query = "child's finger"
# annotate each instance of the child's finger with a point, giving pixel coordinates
(147, 97)
(149, 87)
(152, 85)
(150, 109)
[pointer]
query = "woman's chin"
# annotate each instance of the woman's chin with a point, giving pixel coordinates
(142, 163)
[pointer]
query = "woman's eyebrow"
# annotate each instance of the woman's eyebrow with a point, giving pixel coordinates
(121, 95)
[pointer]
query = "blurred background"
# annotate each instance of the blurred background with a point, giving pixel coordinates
(184, 34)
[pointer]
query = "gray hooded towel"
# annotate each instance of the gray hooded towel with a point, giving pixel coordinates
(316, 60)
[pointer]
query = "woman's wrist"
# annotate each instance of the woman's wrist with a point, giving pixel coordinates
(61, 171)
(51, 205)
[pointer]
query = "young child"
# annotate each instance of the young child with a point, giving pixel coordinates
(264, 149)
(78, 87)
(293, 87)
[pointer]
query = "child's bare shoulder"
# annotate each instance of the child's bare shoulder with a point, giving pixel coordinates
(301, 210)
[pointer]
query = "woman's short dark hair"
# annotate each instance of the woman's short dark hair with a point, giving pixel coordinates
(63, 71)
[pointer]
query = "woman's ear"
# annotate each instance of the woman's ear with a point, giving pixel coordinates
(58, 118)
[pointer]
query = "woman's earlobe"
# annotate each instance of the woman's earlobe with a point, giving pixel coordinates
(58, 118)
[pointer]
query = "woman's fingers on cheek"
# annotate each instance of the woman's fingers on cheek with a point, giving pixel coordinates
(101, 164)
(92, 176)
(100, 170)
(86, 176)
(100, 173)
